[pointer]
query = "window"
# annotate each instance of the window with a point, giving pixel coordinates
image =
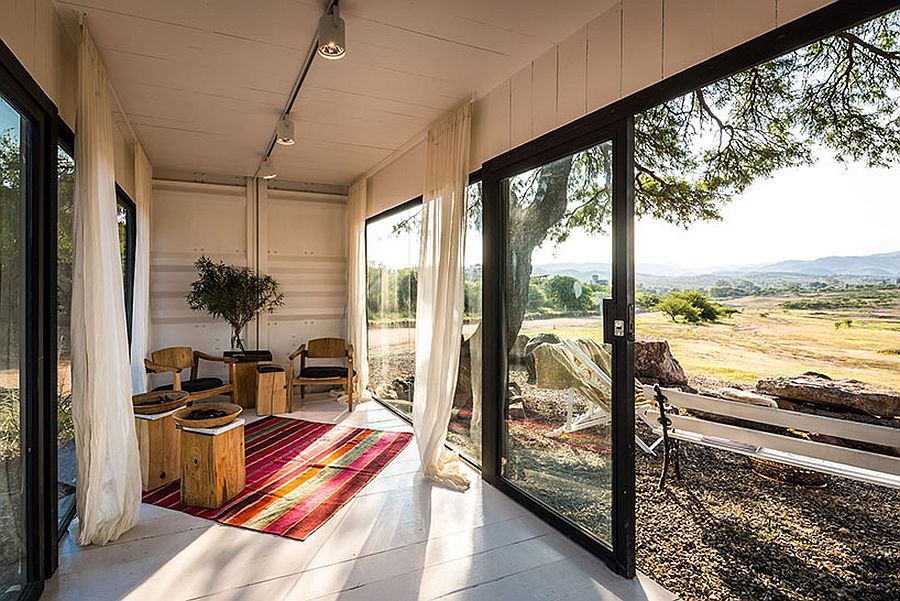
(392, 249)
(126, 218)
(65, 470)
(14, 182)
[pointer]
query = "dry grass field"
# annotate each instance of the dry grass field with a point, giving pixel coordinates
(765, 340)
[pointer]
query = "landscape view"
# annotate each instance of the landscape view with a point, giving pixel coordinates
(767, 272)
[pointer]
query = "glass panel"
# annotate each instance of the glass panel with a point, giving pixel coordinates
(392, 250)
(65, 185)
(13, 142)
(557, 417)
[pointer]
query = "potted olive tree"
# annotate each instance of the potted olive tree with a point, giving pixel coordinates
(235, 294)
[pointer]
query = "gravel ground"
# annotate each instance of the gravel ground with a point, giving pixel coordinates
(723, 533)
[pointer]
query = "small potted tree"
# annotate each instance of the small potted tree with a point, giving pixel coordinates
(235, 294)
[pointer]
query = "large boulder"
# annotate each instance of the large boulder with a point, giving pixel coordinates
(849, 395)
(517, 352)
(542, 338)
(654, 364)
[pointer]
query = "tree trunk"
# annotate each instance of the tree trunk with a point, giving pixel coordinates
(529, 225)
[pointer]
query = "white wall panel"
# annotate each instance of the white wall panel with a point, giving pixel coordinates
(490, 125)
(737, 22)
(604, 59)
(687, 34)
(520, 106)
(34, 32)
(187, 221)
(543, 92)
(571, 95)
(788, 10)
(642, 37)
(401, 180)
(303, 245)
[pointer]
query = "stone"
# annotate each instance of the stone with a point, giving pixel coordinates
(517, 352)
(654, 364)
(542, 338)
(747, 396)
(848, 395)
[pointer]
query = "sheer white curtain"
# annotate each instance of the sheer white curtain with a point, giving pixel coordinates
(356, 286)
(140, 314)
(109, 480)
(439, 306)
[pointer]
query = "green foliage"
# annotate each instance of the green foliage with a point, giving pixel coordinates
(647, 300)
(675, 306)
(537, 298)
(843, 323)
(569, 293)
(235, 294)
(693, 306)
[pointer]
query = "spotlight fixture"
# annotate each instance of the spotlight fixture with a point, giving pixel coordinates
(331, 35)
(267, 169)
(285, 135)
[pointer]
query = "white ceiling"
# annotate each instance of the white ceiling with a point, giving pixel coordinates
(203, 82)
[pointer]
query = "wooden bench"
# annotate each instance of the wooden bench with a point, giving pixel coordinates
(864, 466)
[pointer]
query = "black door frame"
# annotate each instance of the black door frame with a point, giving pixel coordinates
(578, 135)
(38, 365)
(495, 202)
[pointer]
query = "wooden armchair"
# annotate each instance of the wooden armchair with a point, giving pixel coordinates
(177, 358)
(316, 375)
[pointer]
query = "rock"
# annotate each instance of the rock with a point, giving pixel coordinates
(747, 396)
(820, 390)
(542, 338)
(517, 352)
(654, 364)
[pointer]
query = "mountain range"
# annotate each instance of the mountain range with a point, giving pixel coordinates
(877, 265)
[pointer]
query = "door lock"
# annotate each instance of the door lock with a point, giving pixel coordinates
(619, 328)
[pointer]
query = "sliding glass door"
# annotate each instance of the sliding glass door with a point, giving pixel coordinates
(564, 303)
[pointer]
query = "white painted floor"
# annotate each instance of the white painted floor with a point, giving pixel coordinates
(400, 538)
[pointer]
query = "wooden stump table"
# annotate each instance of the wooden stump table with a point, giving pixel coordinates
(245, 366)
(270, 390)
(212, 464)
(159, 444)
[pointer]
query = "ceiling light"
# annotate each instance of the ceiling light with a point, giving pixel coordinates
(285, 135)
(267, 169)
(331, 35)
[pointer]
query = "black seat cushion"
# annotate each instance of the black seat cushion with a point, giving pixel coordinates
(324, 371)
(195, 385)
(268, 369)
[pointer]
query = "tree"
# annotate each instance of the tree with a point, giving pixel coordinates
(569, 293)
(675, 306)
(235, 294)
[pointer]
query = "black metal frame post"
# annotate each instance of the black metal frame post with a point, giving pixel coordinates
(37, 379)
(495, 176)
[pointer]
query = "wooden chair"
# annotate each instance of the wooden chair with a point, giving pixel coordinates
(177, 358)
(317, 375)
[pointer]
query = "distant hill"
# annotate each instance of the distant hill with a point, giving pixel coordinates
(884, 264)
(879, 265)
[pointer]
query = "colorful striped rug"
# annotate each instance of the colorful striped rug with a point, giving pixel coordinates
(299, 474)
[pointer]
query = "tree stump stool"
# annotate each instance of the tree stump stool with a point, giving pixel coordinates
(159, 445)
(212, 464)
(270, 387)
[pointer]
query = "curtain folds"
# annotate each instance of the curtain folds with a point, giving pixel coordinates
(108, 469)
(439, 306)
(140, 315)
(356, 287)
